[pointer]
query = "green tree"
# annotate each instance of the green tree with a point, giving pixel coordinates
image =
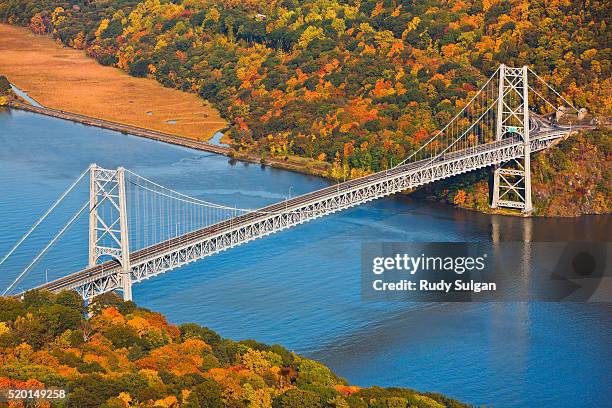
(195, 331)
(10, 308)
(205, 395)
(5, 85)
(296, 398)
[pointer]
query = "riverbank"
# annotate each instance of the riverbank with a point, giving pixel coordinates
(67, 79)
(469, 192)
(295, 164)
(133, 130)
(477, 201)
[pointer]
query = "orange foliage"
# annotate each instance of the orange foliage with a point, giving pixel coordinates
(460, 198)
(346, 389)
(180, 359)
(349, 148)
(382, 89)
(108, 317)
(420, 135)
(37, 24)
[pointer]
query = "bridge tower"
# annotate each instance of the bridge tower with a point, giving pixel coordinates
(512, 180)
(108, 226)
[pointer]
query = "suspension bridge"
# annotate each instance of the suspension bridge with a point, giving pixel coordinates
(139, 229)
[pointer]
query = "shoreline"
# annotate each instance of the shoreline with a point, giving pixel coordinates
(163, 137)
(120, 127)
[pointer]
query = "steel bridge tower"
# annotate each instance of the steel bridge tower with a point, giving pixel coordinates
(108, 226)
(512, 180)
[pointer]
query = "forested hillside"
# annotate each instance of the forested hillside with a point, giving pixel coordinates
(126, 356)
(355, 83)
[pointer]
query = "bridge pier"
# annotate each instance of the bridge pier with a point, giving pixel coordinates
(126, 286)
(512, 180)
(126, 279)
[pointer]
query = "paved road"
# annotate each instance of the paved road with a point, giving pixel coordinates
(120, 127)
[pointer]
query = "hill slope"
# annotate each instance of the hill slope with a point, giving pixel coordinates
(126, 356)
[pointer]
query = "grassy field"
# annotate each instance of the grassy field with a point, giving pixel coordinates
(66, 79)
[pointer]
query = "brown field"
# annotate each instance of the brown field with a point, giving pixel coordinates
(64, 78)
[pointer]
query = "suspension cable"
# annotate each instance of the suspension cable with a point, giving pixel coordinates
(49, 245)
(552, 89)
(202, 203)
(57, 236)
(44, 216)
(168, 189)
(543, 98)
(460, 137)
(452, 120)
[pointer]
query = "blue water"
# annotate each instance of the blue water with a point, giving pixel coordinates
(301, 287)
(216, 139)
(25, 96)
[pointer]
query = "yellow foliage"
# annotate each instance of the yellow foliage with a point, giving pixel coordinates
(486, 4)
(600, 205)
(124, 396)
(310, 34)
(140, 324)
(79, 41)
(161, 43)
(260, 398)
(338, 25)
(366, 28)
(588, 54)
(339, 402)
(102, 27)
(384, 38)
(55, 18)
(168, 402)
(213, 14)
(356, 173)
(411, 26)
(378, 9)
(185, 394)
(151, 376)
(194, 347)
(260, 361)
(23, 351)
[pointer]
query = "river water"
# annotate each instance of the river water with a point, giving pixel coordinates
(301, 287)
